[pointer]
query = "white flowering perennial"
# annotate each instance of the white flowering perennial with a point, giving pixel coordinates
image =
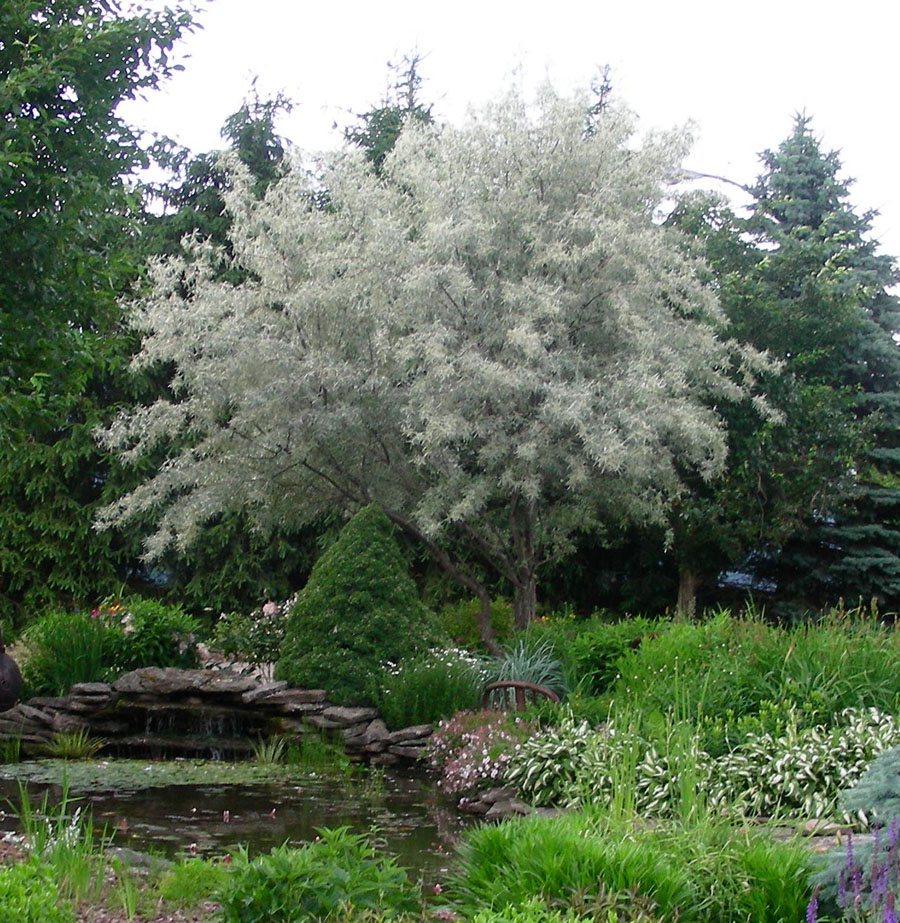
(495, 337)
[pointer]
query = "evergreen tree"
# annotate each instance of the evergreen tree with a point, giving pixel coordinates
(68, 254)
(380, 127)
(779, 294)
(802, 206)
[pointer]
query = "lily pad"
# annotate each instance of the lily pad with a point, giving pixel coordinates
(119, 775)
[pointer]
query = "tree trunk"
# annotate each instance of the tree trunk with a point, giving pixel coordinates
(688, 584)
(525, 602)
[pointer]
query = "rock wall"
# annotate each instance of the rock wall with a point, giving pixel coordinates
(158, 706)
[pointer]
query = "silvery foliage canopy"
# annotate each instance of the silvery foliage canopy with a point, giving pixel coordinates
(495, 338)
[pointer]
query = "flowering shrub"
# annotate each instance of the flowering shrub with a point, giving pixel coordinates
(255, 637)
(147, 633)
(473, 749)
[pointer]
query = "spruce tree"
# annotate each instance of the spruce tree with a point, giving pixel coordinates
(802, 208)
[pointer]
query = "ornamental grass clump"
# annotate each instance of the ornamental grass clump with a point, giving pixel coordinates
(698, 872)
(359, 611)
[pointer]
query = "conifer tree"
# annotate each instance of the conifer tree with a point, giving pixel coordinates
(803, 206)
(68, 253)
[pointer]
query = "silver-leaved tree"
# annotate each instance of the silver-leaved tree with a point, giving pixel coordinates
(494, 341)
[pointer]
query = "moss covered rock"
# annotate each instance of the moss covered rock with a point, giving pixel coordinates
(359, 610)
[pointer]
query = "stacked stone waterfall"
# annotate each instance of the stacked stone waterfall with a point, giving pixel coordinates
(120, 714)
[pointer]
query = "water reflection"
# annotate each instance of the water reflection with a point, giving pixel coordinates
(414, 822)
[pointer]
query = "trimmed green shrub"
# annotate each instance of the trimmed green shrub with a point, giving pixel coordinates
(431, 687)
(339, 872)
(28, 894)
(358, 612)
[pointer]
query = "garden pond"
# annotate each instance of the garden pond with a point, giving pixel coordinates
(186, 807)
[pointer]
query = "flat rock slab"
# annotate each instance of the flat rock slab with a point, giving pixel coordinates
(83, 689)
(346, 716)
(289, 697)
(170, 681)
(410, 733)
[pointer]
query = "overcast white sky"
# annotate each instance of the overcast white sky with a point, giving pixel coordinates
(739, 70)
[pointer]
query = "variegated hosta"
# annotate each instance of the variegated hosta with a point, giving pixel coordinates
(802, 771)
(798, 773)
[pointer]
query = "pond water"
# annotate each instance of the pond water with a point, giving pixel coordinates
(414, 822)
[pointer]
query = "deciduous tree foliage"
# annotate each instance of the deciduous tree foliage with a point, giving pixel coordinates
(492, 340)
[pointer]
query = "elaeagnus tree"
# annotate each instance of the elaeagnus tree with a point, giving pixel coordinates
(494, 340)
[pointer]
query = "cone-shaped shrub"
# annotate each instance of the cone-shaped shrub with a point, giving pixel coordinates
(359, 610)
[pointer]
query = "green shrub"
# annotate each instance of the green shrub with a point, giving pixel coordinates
(431, 687)
(255, 637)
(63, 648)
(460, 621)
(28, 894)
(876, 794)
(590, 650)
(341, 871)
(358, 612)
(151, 634)
(692, 873)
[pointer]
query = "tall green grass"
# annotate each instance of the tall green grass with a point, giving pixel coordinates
(703, 872)
(426, 689)
(726, 668)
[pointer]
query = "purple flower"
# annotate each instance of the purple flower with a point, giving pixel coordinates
(813, 906)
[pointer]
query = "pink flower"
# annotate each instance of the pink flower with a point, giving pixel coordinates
(271, 608)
